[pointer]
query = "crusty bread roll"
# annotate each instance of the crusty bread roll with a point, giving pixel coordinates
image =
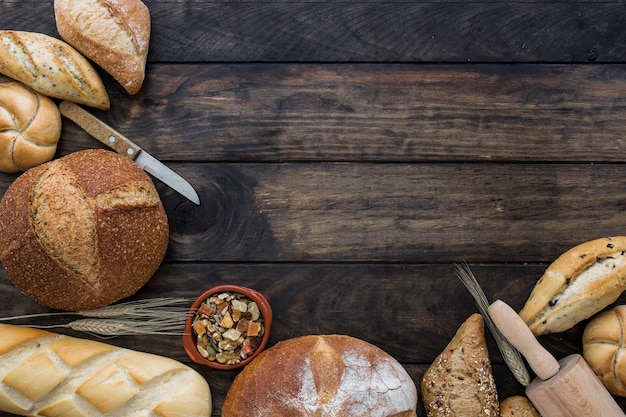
(115, 34)
(48, 374)
(459, 382)
(518, 406)
(578, 284)
(328, 375)
(30, 127)
(82, 231)
(603, 348)
(51, 67)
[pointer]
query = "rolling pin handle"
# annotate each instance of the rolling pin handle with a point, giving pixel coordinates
(522, 338)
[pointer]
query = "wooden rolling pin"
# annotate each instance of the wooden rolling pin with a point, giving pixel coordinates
(562, 388)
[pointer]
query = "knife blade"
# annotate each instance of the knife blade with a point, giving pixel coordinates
(122, 145)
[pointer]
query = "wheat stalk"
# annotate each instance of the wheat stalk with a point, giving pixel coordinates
(510, 355)
(115, 327)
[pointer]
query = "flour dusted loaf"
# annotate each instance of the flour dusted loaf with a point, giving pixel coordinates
(578, 284)
(82, 231)
(459, 383)
(115, 34)
(48, 374)
(51, 67)
(322, 376)
(604, 348)
(30, 127)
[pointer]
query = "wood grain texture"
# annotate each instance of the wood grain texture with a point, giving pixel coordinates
(368, 31)
(349, 153)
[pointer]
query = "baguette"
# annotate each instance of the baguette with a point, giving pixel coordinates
(115, 34)
(49, 374)
(51, 67)
(578, 284)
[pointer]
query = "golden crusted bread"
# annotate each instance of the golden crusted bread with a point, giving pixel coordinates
(49, 374)
(82, 231)
(603, 348)
(51, 67)
(322, 376)
(518, 406)
(459, 383)
(578, 284)
(30, 127)
(115, 34)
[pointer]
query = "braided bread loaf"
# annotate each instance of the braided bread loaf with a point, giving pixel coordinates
(30, 127)
(48, 374)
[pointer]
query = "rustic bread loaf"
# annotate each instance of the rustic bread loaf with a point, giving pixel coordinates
(328, 375)
(115, 34)
(578, 284)
(82, 231)
(518, 406)
(48, 374)
(604, 346)
(30, 127)
(51, 67)
(459, 382)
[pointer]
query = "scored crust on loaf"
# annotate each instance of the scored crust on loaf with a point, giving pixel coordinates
(459, 382)
(43, 373)
(82, 231)
(30, 127)
(115, 34)
(328, 375)
(51, 67)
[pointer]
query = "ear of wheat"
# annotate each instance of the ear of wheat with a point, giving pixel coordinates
(164, 316)
(511, 356)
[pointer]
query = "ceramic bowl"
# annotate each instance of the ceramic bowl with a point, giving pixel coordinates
(190, 339)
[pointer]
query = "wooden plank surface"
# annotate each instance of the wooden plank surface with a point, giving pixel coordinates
(349, 154)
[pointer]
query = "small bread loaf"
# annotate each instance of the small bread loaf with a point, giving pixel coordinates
(115, 34)
(459, 382)
(518, 406)
(48, 374)
(328, 375)
(51, 67)
(577, 285)
(82, 231)
(30, 127)
(604, 347)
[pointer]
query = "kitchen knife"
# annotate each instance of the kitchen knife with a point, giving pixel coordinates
(568, 387)
(118, 142)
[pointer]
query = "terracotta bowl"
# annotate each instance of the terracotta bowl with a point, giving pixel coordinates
(189, 337)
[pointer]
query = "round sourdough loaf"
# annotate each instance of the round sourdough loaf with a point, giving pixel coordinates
(82, 231)
(30, 127)
(322, 376)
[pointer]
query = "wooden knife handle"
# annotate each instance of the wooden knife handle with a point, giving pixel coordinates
(99, 130)
(519, 334)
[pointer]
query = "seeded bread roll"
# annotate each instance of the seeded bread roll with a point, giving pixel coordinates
(115, 34)
(48, 374)
(82, 231)
(30, 127)
(518, 406)
(328, 375)
(603, 348)
(578, 284)
(51, 67)
(459, 382)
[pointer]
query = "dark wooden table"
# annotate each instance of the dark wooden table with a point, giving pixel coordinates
(349, 154)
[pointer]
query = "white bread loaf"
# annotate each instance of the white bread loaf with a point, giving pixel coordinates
(48, 374)
(459, 383)
(322, 376)
(30, 127)
(82, 231)
(604, 346)
(115, 34)
(51, 67)
(578, 284)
